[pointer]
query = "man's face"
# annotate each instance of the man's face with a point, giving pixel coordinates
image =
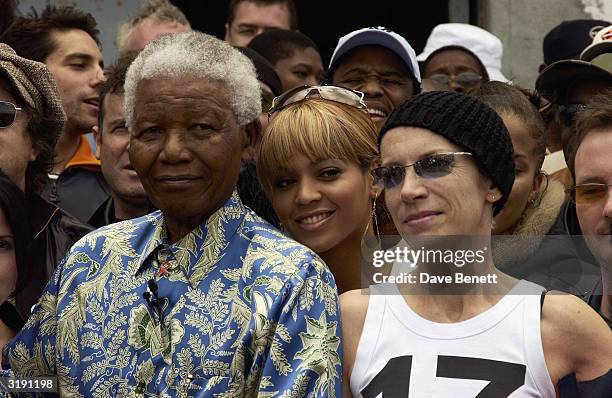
(77, 67)
(16, 149)
(251, 19)
(148, 30)
(112, 150)
(380, 75)
(592, 165)
(186, 146)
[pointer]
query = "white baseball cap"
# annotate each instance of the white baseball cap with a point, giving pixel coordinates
(378, 36)
(602, 43)
(486, 46)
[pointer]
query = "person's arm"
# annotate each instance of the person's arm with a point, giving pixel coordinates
(353, 310)
(576, 340)
(305, 351)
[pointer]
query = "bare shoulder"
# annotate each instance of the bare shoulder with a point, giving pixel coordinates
(572, 316)
(575, 337)
(354, 302)
(353, 311)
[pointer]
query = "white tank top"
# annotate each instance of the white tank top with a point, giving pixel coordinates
(497, 353)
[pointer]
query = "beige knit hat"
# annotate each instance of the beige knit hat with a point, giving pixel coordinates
(36, 86)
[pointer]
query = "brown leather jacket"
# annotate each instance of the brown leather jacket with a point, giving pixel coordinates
(55, 231)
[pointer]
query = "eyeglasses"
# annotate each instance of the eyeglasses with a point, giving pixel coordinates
(433, 166)
(331, 93)
(568, 112)
(588, 193)
(8, 114)
(465, 79)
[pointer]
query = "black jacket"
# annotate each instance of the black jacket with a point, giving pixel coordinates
(78, 191)
(540, 249)
(104, 215)
(55, 231)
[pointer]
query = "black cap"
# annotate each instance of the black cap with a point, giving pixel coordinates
(467, 122)
(569, 38)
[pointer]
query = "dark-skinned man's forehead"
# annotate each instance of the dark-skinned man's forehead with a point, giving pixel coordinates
(366, 59)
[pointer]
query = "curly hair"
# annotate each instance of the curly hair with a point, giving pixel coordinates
(181, 54)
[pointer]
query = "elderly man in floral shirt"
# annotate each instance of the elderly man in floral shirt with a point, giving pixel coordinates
(201, 298)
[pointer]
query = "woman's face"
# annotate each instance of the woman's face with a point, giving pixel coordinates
(8, 262)
(527, 178)
(322, 204)
(458, 203)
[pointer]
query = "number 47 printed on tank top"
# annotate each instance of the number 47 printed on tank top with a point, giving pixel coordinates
(504, 377)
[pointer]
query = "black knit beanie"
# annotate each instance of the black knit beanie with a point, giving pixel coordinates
(467, 122)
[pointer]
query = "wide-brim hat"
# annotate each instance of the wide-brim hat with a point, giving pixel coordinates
(555, 79)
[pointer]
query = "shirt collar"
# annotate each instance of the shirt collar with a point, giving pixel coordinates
(225, 221)
(84, 156)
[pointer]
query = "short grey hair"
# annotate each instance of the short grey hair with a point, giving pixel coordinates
(158, 10)
(177, 55)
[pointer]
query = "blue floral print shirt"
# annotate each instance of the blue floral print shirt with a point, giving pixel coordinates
(242, 311)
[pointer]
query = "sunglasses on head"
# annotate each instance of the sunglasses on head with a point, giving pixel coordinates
(588, 193)
(567, 112)
(331, 93)
(8, 113)
(465, 79)
(433, 166)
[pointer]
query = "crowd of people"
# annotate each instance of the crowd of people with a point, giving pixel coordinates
(199, 218)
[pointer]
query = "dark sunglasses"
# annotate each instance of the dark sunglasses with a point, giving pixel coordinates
(588, 193)
(466, 79)
(8, 114)
(567, 112)
(433, 166)
(331, 93)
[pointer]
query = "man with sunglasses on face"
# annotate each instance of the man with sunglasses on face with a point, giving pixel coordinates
(31, 120)
(592, 170)
(568, 85)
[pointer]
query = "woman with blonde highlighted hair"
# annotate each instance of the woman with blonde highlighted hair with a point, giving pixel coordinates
(314, 165)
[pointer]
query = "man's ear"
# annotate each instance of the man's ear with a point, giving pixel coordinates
(98, 138)
(251, 143)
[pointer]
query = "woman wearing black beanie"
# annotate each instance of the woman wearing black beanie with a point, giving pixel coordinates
(448, 322)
